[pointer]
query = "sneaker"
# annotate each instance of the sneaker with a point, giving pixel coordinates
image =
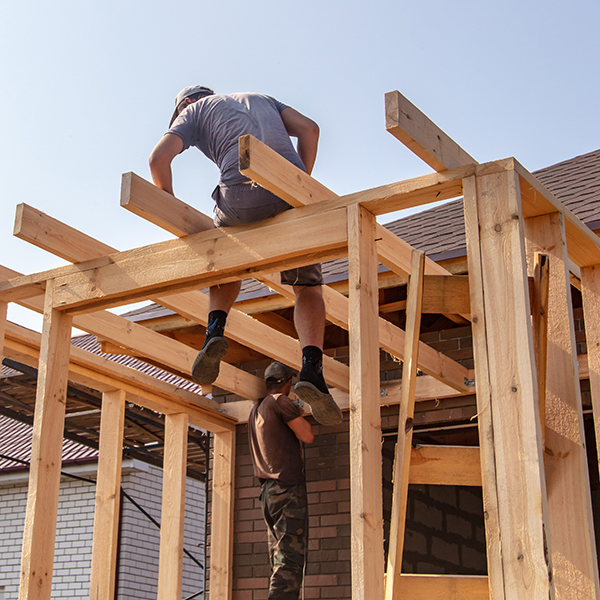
(206, 366)
(323, 406)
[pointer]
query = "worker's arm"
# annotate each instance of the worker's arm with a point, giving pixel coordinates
(307, 132)
(302, 428)
(161, 158)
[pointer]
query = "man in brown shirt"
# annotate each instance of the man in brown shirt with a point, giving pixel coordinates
(276, 428)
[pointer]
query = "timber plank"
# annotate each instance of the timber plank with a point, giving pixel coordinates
(170, 566)
(445, 465)
(444, 587)
(161, 208)
(365, 421)
(567, 475)
(46, 455)
(202, 259)
(523, 518)
(194, 306)
(108, 497)
(421, 135)
(221, 556)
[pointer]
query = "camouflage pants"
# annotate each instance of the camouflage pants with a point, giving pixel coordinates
(285, 512)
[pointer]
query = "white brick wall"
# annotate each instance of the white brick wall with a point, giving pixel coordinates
(139, 543)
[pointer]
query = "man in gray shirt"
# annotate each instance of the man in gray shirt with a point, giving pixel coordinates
(213, 123)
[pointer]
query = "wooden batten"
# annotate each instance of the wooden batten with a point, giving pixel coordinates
(445, 465)
(590, 289)
(46, 455)
(108, 496)
(365, 420)
(567, 476)
(221, 554)
(172, 518)
(539, 320)
(405, 426)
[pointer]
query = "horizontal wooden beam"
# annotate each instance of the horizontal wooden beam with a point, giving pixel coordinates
(421, 135)
(104, 375)
(161, 208)
(192, 305)
(444, 587)
(445, 465)
(151, 345)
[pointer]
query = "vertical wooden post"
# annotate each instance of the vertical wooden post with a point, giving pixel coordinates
(221, 547)
(484, 410)
(567, 477)
(539, 320)
(365, 418)
(3, 308)
(405, 426)
(170, 567)
(46, 454)
(512, 463)
(590, 289)
(108, 496)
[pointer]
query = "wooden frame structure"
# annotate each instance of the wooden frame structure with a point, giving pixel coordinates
(539, 526)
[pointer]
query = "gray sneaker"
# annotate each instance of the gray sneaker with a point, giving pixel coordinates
(323, 406)
(206, 366)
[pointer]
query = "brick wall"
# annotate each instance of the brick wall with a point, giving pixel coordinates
(139, 542)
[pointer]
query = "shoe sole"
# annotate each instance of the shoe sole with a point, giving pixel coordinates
(206, 366)
(323, 406)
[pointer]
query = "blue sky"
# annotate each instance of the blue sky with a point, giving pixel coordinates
(87, 89)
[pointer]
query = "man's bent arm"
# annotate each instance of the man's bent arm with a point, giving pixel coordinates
(307, 132)
(161, 158)
(302, 428)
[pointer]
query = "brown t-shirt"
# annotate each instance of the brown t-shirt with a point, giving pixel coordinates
(274, 447)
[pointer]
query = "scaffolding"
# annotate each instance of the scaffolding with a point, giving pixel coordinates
(523, 248)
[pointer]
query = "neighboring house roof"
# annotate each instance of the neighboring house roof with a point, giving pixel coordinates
(144, 430)
(15, 442)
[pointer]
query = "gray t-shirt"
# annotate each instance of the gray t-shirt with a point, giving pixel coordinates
(214, 124)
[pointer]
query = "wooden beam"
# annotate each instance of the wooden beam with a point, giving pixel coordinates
(221, 552)
(263, 165)
(192, 305)
(391, 337)
(504, 352)
(583, 245)
(203, 259)
(365, 420)
(102, 374)
(108, 496)
(392, 252)
(567, 474)
(39, 229)
(444, 587)
(445, 465)
(252, 151)
(170, 568)
(46, 455)
(590, 289)
(405, 426)
(161, 208)
(421, 135)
